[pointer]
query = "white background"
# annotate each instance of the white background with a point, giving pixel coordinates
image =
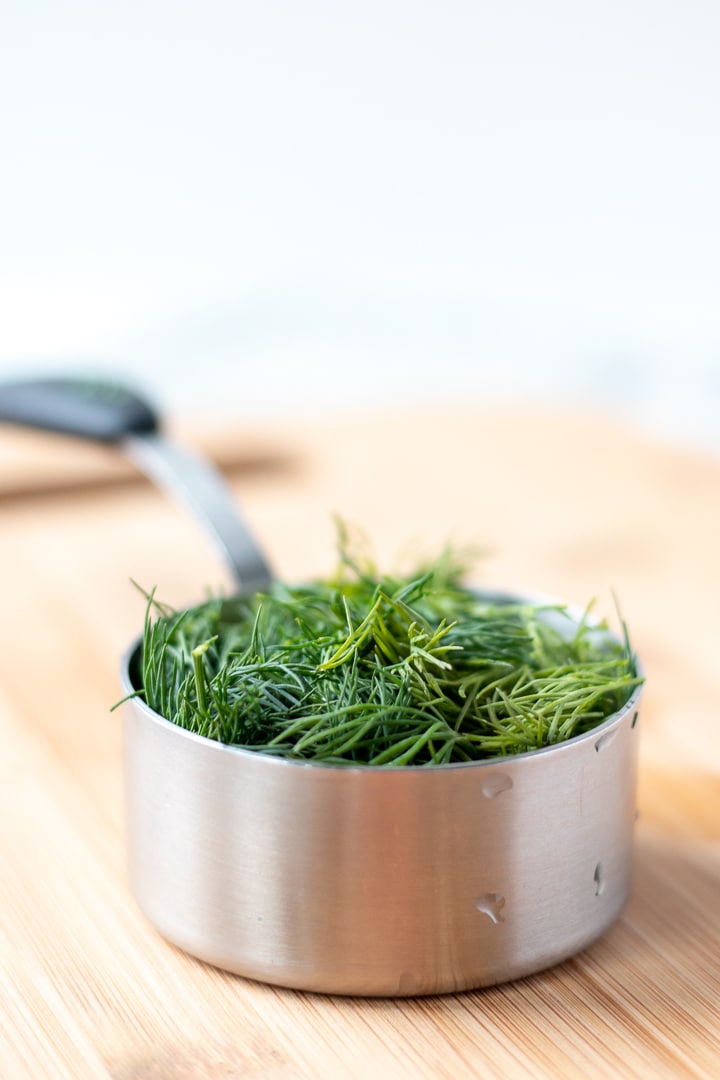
(269, 207)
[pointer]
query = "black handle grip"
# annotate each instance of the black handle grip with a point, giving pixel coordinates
(92, 409)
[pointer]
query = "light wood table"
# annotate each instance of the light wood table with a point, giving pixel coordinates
(569, 505)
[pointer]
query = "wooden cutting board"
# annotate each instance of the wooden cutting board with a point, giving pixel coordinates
(570, 505)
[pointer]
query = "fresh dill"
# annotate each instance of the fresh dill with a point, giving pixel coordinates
(363, 669)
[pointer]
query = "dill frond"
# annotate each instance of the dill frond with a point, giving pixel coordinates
(361, 669)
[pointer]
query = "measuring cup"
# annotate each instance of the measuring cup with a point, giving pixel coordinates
(355, 880)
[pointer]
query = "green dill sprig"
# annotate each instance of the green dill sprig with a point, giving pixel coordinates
(368, 670)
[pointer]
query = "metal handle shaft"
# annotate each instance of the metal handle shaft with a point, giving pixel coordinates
(103, 411)
(195, 482)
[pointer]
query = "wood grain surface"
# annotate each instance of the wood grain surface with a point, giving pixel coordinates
(569, 505)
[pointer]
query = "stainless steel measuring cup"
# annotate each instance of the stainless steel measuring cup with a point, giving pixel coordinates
(367, 880)
(375, 880)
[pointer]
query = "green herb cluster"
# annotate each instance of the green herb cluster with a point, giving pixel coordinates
(361, 669)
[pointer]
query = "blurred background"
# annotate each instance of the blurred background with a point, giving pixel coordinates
(260, 209)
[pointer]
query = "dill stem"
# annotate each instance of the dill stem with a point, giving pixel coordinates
(199, 671)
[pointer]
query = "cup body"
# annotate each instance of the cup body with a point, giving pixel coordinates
(375, 880)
